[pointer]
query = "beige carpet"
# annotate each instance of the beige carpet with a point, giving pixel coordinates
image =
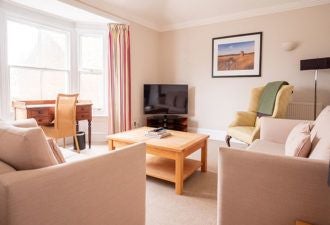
(197, 205)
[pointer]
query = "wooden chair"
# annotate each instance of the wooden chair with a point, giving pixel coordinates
(65, 119)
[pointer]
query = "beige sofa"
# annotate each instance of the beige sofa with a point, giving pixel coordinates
(101, 190)
(262, 186)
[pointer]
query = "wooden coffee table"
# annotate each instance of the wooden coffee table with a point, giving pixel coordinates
(166, 157)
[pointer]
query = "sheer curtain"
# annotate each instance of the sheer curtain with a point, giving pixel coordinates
(119, 78)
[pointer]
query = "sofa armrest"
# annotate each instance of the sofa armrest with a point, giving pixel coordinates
(107, 189)
(244, 119)
(276, 130)
(256, 188)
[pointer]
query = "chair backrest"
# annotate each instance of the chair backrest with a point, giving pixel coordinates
(65, 114)
(281, 103)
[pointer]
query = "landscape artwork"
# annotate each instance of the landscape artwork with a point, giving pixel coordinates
(237, 56)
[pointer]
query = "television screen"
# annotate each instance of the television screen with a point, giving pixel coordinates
(165, 99)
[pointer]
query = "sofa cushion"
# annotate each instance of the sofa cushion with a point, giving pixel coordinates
(321, 126)
(268, 147)
(298, 142)
(5, 168)
(71, 156)
(321, 150)
(25, 148)
(320, 135)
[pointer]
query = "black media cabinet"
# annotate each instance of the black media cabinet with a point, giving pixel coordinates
(171, 122)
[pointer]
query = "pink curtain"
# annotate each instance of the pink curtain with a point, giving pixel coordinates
(119, 78)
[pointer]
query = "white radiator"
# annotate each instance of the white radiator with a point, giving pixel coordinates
(303, 110)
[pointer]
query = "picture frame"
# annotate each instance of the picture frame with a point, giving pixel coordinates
(237, 55)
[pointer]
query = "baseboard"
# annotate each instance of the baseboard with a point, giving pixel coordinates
(219, 135)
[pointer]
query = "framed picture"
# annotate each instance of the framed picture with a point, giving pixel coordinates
(237, 55)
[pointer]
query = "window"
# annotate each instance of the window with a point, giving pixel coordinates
(92, 69)
(38, 60)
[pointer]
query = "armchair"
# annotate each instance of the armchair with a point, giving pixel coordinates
(246, 125)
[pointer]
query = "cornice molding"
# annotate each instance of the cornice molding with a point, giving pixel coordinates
(121, 16)
(246, 14)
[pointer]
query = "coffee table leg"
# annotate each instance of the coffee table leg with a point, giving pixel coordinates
(179, 173)
(204, 157)
(110, 145)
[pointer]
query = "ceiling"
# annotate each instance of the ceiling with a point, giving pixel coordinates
(175, 14)
(63, 10)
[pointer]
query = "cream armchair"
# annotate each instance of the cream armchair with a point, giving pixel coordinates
(246, 125)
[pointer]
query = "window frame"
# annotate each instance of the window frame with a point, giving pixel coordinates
(93, 32)
(49, 22)
(41, 69)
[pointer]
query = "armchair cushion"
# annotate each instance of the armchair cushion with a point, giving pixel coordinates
(244, 119)
(242, 133)
(24, 148)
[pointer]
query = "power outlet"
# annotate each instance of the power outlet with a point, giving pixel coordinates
(135, 124)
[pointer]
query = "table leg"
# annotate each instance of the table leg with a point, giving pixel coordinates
(110, 145)
(89, 133)
(73, 138)
(204, 157)
(179, 161)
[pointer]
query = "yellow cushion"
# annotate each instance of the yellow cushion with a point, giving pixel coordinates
(242, 133)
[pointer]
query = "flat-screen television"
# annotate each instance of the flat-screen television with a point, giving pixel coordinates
(165, 99)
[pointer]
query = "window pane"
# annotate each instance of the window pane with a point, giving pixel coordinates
(22, 45)
(91, 52)
(54, 47)
(52, 83)
(91, 88)
(25, 84)
(35, 47)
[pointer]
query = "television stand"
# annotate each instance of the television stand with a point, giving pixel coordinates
(171, 122)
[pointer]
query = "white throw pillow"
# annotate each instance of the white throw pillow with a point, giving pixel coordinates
(25, 148)
(298, 143)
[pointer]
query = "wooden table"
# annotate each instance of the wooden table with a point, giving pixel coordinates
(166, 157)
(43, 112)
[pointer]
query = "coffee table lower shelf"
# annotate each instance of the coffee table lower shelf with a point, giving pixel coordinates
(164, 169)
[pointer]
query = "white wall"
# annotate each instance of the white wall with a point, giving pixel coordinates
(186, 58)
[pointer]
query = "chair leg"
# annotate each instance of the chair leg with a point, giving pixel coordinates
(228, 137)
(64, 144)
(77, 144)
